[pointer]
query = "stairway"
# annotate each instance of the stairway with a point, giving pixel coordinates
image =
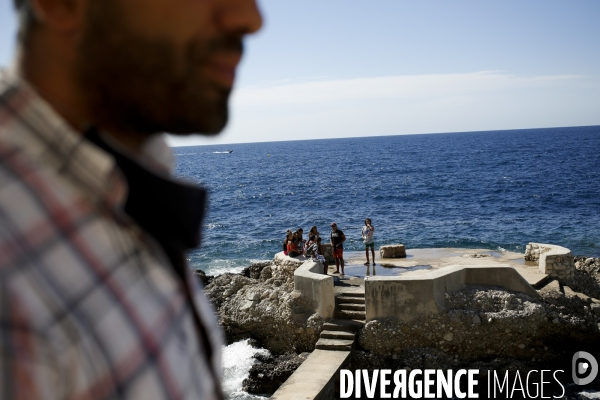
(350, 305)
(340, 334)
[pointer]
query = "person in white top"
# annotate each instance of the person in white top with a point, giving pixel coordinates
(367, 235)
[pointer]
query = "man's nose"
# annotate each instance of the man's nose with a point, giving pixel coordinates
(240, 16)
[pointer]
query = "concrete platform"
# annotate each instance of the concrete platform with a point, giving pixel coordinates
(423, 261)
(315, 378)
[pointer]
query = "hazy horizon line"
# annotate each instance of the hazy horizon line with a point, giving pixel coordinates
(373, 136)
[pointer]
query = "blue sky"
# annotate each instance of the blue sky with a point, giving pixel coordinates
(353, 68)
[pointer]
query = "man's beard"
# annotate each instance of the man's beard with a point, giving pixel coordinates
(136, 84)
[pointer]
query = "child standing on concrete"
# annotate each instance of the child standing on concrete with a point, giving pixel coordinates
(367, 235)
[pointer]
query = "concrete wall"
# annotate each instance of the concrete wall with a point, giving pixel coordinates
(556, 261)
(288, 263)
(406, 297)
(316, 287)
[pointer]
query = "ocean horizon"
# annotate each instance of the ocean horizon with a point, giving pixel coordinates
(224, 146)
(496, 190)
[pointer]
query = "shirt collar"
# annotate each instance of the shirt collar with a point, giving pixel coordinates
(46, 136)
(170, 211)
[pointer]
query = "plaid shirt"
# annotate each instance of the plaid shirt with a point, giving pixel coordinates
(90, 307)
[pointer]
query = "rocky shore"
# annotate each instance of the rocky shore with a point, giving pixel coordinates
(261, 303)
(485, 328)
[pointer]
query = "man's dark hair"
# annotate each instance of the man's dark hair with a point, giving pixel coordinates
(27, 19)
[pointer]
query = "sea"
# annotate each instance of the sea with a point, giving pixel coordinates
(496, 190)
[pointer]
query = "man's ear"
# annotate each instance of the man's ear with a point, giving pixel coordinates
(62, 16)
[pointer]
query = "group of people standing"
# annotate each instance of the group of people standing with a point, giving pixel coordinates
(294, 245)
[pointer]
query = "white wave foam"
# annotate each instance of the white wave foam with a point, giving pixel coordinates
(590, 395)
(221, 266)
(238, 358)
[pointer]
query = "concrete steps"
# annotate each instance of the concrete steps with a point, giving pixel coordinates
(340, 334)
(344, 335)
(351, 295)
(334, 344)
(347, 325)
(352, 299)
(346, 314)
(350, 305)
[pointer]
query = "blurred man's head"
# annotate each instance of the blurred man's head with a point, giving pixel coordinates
(141, 66)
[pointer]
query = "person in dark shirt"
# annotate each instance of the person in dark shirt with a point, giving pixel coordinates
(337, 248)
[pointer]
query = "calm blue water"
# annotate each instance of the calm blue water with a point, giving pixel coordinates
(492, 190)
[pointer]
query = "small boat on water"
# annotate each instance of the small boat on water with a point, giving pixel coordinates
(223, 152)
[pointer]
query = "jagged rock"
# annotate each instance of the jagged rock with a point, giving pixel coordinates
(253, 296)
(255, 270)
(315, 322)
(265, 307)
(455, 318)
(586, 277)
(270, 372)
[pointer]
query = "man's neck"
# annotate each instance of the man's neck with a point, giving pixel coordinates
(51, 75)
(54, 82)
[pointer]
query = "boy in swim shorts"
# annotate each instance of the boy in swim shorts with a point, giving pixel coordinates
(367, 235)
(337, 238)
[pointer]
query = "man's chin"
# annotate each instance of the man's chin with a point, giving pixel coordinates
(207, 122)
(202, 120)
(189, 133)
(212, 128)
